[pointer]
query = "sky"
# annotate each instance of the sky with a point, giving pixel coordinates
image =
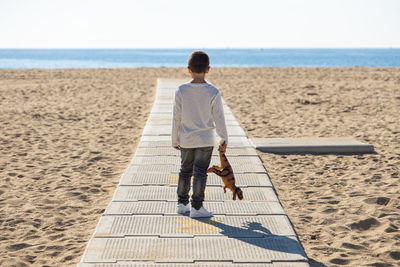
(199, 24)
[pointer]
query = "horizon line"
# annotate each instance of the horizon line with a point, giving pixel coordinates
(173, 48)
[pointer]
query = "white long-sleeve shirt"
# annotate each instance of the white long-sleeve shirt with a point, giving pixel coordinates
(197, 112)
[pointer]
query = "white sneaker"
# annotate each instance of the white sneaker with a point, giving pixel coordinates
(202, 212)
(181, 209)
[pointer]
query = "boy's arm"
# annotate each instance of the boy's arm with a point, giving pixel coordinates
(176, 119)
(217, 111)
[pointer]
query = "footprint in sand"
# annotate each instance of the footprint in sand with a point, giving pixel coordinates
(364, 225)
(377, 200)
(395, 255)
(352, 246)
(18, 246)
(339, 261)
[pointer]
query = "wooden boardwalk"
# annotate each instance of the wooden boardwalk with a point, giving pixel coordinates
(140, 226)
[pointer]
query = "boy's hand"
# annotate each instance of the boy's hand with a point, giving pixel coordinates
(177, 147)
(222, 148)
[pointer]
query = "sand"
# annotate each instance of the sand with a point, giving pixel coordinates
(345, 208)
(67, 135)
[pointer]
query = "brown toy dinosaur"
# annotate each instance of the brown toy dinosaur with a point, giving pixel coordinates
(227, 176)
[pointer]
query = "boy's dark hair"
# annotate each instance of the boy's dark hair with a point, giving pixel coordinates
(198, 62)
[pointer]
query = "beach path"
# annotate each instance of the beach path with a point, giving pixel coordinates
(141, 227)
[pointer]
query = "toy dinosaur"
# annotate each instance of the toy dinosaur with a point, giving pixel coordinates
(227, 176)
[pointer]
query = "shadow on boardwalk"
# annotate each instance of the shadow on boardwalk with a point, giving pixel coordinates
(253, 233)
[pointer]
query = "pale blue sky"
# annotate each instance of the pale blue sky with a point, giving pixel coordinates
(200, 24)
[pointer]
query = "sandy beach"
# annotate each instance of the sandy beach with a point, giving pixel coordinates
(67, 136)
(345, 208)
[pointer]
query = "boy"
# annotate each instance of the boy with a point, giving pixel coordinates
(197, 107)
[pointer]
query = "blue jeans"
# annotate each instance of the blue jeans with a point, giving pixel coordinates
(194, 161)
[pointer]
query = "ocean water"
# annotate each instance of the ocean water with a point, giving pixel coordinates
(134, 58)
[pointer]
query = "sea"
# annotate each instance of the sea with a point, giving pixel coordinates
(136, 58)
